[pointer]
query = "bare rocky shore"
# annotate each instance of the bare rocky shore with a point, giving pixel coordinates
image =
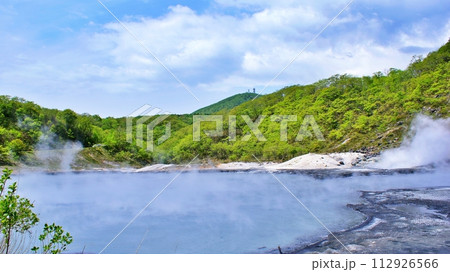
(401, 221)
(320, 166)
(345, 160)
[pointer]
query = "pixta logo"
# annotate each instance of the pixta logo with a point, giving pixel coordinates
(283, 120)
(140, 117)
(140, 125)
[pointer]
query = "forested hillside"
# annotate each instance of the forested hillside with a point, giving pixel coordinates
(226, 104)
(354, 113)
(26, 127)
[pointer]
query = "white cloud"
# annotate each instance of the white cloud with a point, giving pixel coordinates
(424, 34)
(205, 48)
(261, 4)
(219, 45)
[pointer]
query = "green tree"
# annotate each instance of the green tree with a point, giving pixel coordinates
(18, 148)
(54, 240)
(17, 217)
(16, 213)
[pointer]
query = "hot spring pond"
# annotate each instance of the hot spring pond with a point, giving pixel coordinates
(203, 212)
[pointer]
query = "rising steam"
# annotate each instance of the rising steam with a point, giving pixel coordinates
(428, 143)
(55, 154)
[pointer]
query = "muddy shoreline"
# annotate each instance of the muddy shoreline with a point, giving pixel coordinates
(398, 221)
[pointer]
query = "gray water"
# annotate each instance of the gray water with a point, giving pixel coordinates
(203, 212)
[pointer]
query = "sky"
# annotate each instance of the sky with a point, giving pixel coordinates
(75, 54)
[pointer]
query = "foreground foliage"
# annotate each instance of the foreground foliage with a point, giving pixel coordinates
(53, 240)
(17, 219)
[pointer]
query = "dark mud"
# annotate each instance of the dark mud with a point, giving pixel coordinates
(400, 221)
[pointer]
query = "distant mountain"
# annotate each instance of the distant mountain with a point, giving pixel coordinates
(227, 103)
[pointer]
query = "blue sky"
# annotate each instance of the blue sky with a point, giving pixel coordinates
(73, 54)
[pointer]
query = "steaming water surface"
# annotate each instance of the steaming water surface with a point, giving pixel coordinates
(203, 212)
